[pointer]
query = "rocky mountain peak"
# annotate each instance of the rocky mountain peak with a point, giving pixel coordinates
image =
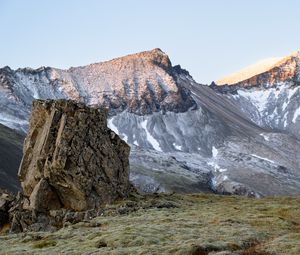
(266, 73)
(151, 57)
(155, 57)
(140, 83)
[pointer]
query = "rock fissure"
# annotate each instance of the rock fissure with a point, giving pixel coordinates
(71, 162)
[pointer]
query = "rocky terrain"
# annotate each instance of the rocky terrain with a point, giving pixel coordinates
(213, 138)
(72, 166)
(271, 98)
(184, 137)
(141, 83)
(174, 224)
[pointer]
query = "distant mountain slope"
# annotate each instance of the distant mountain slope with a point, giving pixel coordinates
(266, 73)
(238, 139)
(141, 83)
(11, 144)
(271, 99)
(249, 71)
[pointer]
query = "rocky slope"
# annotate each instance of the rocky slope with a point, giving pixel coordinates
(217, 138)
(174, 224)
(249, 71)
(140, 83)
(276, 71)
(11, 143)
(270, 99)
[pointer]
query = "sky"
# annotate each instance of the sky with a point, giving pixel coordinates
(209, 38)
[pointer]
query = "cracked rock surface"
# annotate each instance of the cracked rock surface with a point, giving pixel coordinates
(71, 159)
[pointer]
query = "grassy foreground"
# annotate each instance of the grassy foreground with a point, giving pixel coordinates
(193, 224)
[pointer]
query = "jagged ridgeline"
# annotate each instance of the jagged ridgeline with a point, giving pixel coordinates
(241, 138)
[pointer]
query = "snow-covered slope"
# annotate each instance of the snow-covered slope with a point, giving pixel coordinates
(184, 136)
(140, 83)
(270, 99)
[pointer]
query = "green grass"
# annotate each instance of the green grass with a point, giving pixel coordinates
(183, 224)
(44, 243)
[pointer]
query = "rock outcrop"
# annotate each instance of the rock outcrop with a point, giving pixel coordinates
(71, 159)
(72, 164)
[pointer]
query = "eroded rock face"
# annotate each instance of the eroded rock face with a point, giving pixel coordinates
(71, 159)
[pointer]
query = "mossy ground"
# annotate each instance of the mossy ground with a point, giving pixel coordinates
(175, 224)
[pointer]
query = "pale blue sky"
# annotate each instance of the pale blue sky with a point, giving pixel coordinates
(208, 38)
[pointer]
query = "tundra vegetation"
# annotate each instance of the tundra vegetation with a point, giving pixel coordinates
(174, 224)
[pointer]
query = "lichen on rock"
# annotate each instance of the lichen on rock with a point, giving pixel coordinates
(71, 158)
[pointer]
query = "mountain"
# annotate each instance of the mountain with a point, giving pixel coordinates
(141, 83)
(271, 99)
(267, 72)
(249, 71)
(11, 143)
(184, 136)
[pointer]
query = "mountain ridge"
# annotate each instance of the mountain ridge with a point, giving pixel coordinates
(280, 70)
(211, 138)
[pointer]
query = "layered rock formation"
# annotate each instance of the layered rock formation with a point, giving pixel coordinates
(72, 162)
(72, 158)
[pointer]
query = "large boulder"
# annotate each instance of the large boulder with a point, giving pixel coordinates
(71, 159)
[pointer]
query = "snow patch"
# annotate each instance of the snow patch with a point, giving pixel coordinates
(124, 137)
(214, 152)
(285, 119)
(225, 177)
(256, 156)
(258, 97)
(150, 138)
(296, 115)
(216, 167)
(177, 147)
(112, 126)
(265, 137)
(285, 104)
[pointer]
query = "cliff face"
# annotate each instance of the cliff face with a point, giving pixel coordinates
(71, 158)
